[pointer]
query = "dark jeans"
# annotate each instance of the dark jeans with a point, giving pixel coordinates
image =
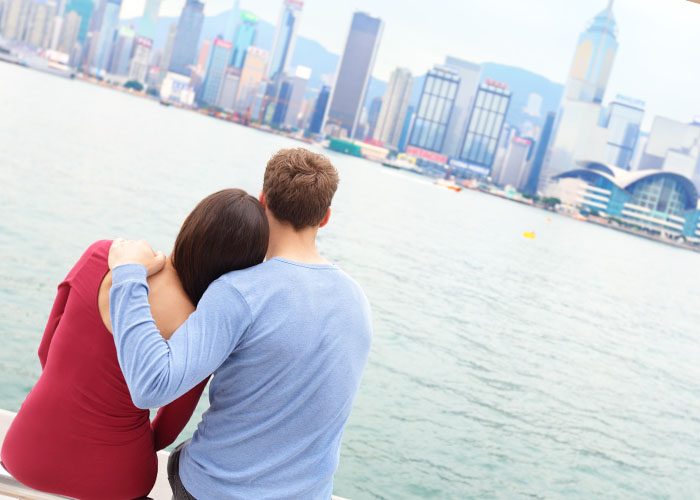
(179, 491)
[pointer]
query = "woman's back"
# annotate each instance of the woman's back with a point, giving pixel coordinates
(78, 432)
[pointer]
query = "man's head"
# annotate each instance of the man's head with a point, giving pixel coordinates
(298, 188)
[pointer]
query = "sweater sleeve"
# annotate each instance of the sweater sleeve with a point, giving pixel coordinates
(158, 371)
(172, 418)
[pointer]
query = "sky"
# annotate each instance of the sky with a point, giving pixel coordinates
(657, 60)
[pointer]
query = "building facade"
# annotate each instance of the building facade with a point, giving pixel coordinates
(624, 120)
(485, 125)
(285, 38)
(469, 78)
(185, 44)
(434, 111)
(141, 62)
(393, 108)
(220, 55)
(244, 38)
(252, 75)
(319, 111)
(103, 39)
(355, 69)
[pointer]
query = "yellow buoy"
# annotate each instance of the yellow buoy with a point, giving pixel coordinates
(530, 235)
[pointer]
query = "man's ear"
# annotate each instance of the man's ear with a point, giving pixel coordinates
(261, 199)
(326, 218)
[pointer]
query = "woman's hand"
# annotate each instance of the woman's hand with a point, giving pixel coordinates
(135, 252)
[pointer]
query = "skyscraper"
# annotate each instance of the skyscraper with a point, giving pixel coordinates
(594, 58)
(252, 75)
(148, 22)
(623, 123)
(121, 51)
(355, 70)
(185, 46)
(219, 57)
(244, 38)
(39, 23)
(285, 38)
(434, 109)
(469, 76)
(69, 32)
(319, 111)
(84, 9)
(140, 63)
(104, 38)
(513, 171)
(14, 19)
(485, 124)
(290, 98)
(533, 178)
(577, 134)
(229, 89)
(394, 105)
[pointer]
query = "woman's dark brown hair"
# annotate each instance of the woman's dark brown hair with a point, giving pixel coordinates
(226, 231)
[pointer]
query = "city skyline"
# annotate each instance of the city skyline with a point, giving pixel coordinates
(512, 32)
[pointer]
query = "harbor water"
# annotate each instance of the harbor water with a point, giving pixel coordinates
(561, 366)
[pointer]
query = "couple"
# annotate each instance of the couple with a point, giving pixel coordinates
(285, 342)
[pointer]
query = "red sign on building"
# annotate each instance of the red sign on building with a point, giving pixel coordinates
(427, 155)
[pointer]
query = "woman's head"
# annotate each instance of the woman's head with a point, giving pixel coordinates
(226, 231)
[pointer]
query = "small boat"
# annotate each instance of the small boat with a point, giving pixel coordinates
(530, 235)
(404, 165)
(451, 185)
(165, 103)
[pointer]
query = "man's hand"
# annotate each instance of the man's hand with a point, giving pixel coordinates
(135, 252)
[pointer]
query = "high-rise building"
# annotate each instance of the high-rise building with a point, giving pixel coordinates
(594, 58)
(104, 38)
(229, 89)
(244, 38)
(437, 98)
(577, 133)
(469, 77)
(624, 120)
(84, 9)
(220, 55)
(14, 19)
(70, 31)
(185, 46)
(285, 38)
(231, 22)
(375, 107)
(533, 179)
(168, 50)
(673, 146)
(40, 15)
(514, 169)
(148, 23)
(353, 75)
(394, 105)
(290, 99)
(485, 124)
(121, 51)
(252, 75)
(203, 57)
(141, 61)
(319, 112)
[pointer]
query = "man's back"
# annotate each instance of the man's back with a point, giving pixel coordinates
(280, 400)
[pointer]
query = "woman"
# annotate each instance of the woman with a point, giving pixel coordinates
(78, 432)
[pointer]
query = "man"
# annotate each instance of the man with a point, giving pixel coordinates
(286, 340)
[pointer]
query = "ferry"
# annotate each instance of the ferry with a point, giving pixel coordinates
(451, 185)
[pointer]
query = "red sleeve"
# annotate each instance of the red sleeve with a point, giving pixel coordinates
(172, 418)
(59, 305)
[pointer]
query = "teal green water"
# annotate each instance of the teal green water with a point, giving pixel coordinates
(562, 367)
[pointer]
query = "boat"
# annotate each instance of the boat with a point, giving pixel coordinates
(404, 165)
(451, 185)
(165, 103)
(530, 235)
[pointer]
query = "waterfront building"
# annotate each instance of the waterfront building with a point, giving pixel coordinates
(406, 128)
(372, 116)
(514, 170)
(14, 19)
(84, 8)
(291, 95)
(577, 132)
(121, 51)
(189, 28)
(485, 125)
(103, 39)
(469, 78)
(39, 23)
(216, 69)
(203, 57)
(393, 108)
(437, 98)
(177, 88)
(355, 69)
(285, 38)
(70, 31)
(319, 112)
(673, 146)
(148, 23)
(657, 202)
(244, 38)
(252, 76)
(140, 62)
(229, 89)
(624, 120)
(168, 50)
(533, 179)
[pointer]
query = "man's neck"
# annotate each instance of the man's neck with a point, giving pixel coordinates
(290, 244)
